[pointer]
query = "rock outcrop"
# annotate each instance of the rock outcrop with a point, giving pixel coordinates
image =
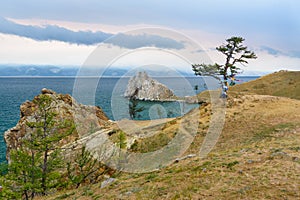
(87, 119)
(143, 87)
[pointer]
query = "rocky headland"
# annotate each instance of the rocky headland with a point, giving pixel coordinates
(143, 87)
(67, 108)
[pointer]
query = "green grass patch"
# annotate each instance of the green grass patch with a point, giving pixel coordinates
(87, 191)
(268, 132)
(205, 165)
(64, 196)
(151, 176)
(230, 165)
(152, 143)
(295, 148)
(119, 138)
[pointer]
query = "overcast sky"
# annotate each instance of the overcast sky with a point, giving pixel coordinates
(65, 32)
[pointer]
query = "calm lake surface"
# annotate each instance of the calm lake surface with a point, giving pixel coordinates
(16, 90)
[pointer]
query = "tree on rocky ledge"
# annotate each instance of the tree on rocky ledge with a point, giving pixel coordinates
(235, 52)
(34, 166)
(134, 108)
(84, 167)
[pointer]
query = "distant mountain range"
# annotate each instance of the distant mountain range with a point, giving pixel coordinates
(31, 70)
(48, 70)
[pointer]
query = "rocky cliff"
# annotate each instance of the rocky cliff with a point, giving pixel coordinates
(87, 119)
(143, 87)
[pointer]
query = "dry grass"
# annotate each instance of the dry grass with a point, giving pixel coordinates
(256, 157)
(283, 83)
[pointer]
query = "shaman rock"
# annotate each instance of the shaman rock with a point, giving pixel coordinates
(143, 87)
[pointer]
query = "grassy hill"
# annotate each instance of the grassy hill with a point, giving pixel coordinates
(257, 155)
(283, 83)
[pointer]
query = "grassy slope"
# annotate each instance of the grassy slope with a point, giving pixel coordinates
(256, 157)
(283, 83)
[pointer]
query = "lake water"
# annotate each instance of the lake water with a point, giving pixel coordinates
(108, 95)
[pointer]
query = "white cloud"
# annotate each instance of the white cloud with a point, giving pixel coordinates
(80, 26)
(19, 50)
(268, 62)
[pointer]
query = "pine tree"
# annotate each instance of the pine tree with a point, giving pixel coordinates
(235, 54)
(121, 142)
(134, 109)
(82, 167)
(23, 174)
(34, 166)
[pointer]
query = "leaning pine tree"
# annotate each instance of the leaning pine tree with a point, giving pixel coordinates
(235, 53)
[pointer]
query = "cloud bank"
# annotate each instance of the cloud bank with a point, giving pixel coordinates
(144, 40)
(52, 32)
(57, 33)
(275, 52)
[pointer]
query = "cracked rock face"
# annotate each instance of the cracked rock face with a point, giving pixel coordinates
(87, 119)
(143, 87)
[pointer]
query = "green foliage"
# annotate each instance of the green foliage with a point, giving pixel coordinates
(122, 140)
(231, 164)
(205, 165)
(65, 196)
(297, 148)
(151, 176)
(206, 70)
(196, 87)
(24, 173)
(134, 109)
(6, 192)
(3, 168)
(87, 192)
(268, 132)
(35, 166)
(152, 143)
(82, 167)
(235, 54)
(119, 138)
(92, 128)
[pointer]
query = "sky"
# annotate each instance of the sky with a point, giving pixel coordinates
(66, 32)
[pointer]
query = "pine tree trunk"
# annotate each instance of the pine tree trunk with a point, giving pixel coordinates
(44, 172)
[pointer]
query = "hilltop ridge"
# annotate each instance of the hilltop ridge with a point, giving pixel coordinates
(282, 83)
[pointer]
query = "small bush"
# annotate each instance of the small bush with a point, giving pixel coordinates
(151, 176)
(231, 164)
